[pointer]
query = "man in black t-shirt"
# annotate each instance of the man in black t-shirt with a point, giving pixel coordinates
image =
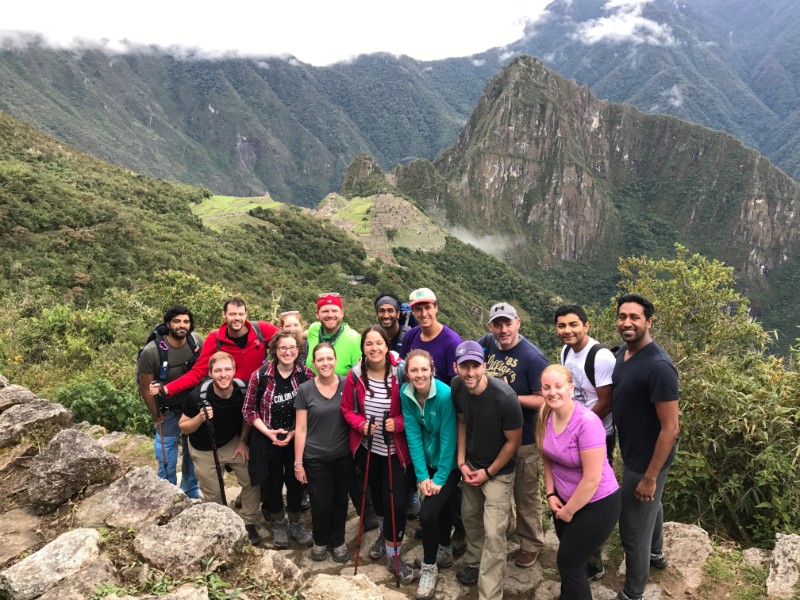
(219, 402)
(645, 409)
(489, 434)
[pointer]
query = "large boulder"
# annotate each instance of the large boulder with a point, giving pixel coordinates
(138, 498)
(65, 556)
(11, 395)
(687, 548)
(198, 533)
(37, 417)
(783, 569)
(70, 462)
(342, 587)
(279, 570)
(82, 584)
(18, 532)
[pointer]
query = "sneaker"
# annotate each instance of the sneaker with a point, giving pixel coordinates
(407, 574)
(524, 559)
(378, 549)
(467, 575)
(444, 558)
(596, 575)
(300, 534)
(341, 554)
(459, 543)
(428, 576)
(659, 561)
(280, 533)
(371, 522)
(319, 553)
(305, 501)
(623, 596)
(413, 505)
(252, 534)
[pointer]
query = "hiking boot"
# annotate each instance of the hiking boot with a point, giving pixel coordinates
(428, 576)
(238, 502)
(413, 505)
(300, 534)
(378, 549)
(459, 543)
(371, 521)
(623, 596)
(595, 575)
(305, 501)
(280, 533)
(341, 554)
(407, 574)
(444, 558)
(524, 559)
(467, 575)
(319, 553)
(659, 561)
(252, 535)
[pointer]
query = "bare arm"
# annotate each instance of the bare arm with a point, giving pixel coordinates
(592, 467)
(145, 379)
(604, 395)
(533, 401)
(507, 451)
(668, 416)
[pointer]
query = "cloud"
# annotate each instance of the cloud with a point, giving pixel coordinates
(496, 245)
(674, 96)
(624, 23)
(478, 62)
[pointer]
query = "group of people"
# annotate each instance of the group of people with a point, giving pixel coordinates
(375, 416)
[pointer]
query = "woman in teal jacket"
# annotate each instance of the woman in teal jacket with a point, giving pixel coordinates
(430, 422)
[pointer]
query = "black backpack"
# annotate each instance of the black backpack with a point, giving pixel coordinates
(588, 366)
(206, 383)
(158, 334)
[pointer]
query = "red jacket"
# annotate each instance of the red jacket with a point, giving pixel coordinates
(247, 359)
(353, 411)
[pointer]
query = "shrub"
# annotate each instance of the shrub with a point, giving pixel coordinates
(103, 404)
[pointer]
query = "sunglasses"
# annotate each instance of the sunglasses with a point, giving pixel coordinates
(326, 294)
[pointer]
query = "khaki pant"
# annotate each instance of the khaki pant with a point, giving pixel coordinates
(527, 498)
(485, 511)
(206, 472)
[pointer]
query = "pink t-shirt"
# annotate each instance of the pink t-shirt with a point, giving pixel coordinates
(585, 430)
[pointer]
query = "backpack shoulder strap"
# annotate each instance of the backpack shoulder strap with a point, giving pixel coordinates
(241, 385)
(262, 386)
(564, 353)
(257, 329)
(204, 385)
(354, 379)
(589, 364)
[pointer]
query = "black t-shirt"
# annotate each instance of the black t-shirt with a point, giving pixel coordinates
(282, 405)
(240, 341)
(227, 420)
(487, 415)
(645, 378)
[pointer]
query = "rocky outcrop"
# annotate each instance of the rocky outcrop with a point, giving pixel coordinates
(82, 584)
(279, 570)
(65, 556)
(688, 547)
(11, 395)
(70, 462)
(30, 418)
(783, 571)
(197, 534)
(325, 587)
(18, 528)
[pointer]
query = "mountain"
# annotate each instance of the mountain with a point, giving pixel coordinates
(574, 182)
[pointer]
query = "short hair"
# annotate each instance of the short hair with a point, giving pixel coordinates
(419, 352)
(276, 339)
(322, 346)
(568, 309)
(179, 310)
(218, 356)
(649, 309)
(235, 301)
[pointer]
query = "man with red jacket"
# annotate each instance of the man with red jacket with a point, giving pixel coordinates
(238, 337)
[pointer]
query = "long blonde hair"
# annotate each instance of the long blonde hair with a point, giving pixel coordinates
(544, 412)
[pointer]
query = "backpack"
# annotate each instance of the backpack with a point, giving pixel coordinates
(588, 366)
(206, 383)
(254, 326)
(158, 334)
(407, 320)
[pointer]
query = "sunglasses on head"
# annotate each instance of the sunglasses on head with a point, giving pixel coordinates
(326, 294)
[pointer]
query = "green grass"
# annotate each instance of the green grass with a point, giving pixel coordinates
(357, 212)
(220, 212)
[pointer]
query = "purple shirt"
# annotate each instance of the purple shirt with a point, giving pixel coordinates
(442, 348)
(585, 430)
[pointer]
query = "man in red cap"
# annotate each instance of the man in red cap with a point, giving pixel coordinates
(330, 327)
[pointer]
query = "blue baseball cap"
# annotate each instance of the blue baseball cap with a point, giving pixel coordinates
(469, 350)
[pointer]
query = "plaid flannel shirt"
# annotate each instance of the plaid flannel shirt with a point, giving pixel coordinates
(265, 407)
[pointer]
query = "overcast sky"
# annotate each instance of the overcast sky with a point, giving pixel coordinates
(316, 32)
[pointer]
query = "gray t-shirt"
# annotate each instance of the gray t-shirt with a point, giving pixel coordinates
(487, 415)
(178, 359)
(327, 433)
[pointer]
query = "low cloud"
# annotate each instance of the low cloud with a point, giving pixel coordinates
(478, 62)
(673, 96)
(625, 23)
(496, 245)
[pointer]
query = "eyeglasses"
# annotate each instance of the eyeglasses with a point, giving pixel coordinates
(287, 348)
(326, 294)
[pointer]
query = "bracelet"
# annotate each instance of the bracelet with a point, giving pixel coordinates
(301, 468)
(298, 462)
(461, 465)
(551, 494)
(489, 475)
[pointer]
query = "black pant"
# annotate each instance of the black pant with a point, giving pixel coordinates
(328, 483)
(356, 492)
(579, 539)
(280, 472)
(436, 517)
(379, 489)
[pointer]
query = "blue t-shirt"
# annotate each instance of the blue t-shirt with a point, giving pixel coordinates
(521, 367)
(442, 348)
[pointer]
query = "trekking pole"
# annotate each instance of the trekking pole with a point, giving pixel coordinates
(387, 437)
(364, 494)
(162, 375)
(163, 450)
(210, 426)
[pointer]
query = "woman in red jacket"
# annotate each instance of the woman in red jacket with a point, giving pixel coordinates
(372, 390)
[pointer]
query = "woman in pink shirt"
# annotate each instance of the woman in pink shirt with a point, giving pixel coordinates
(581, 487)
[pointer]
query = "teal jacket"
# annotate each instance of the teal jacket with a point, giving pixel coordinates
(431, 433)
(347, 347)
